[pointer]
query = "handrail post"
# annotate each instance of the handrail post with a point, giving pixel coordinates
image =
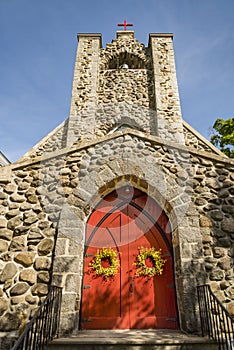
(219, 324)
(43, 327)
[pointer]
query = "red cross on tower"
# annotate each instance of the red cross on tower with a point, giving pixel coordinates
(125, 24)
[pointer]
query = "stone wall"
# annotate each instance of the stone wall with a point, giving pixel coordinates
(84, 88)
(169, 117)
(54, 141)
(134, 86)
(111, 116)
(26, 245)
(187, 185)
(197, 141)
(59, 193)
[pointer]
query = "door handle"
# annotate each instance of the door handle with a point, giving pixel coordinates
(131, 284)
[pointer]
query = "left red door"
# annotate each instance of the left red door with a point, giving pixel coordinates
(125, 301)
(102, 305)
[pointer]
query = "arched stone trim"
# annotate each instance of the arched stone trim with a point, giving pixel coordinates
(118, 47)
(111, 115)
(133, 61)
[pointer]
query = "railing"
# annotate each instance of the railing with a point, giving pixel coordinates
(44, 325)
(216, 322)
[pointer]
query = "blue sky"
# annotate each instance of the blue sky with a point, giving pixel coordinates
(38, 45)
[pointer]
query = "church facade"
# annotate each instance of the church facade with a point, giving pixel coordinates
(124, 179)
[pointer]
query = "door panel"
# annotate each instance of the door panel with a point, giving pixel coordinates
(126, 301)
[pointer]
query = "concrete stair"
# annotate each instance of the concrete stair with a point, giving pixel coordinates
(132, 339)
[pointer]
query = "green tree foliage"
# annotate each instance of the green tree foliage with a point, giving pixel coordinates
(223, 136)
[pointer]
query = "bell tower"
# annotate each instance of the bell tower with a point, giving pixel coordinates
(125, 83)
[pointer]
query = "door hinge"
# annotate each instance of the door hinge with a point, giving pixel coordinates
(173, 319)
(88, 255)
(86, 320)
(171, 286)
(86, 287)
(167, 254)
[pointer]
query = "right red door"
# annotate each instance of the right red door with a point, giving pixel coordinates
(126, 221)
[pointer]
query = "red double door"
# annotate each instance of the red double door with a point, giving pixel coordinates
(127, 220)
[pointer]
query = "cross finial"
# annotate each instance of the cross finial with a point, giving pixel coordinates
(125, 24)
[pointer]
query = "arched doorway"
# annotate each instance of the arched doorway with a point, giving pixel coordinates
(126, 220)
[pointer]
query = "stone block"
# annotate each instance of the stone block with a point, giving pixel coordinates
(72, 283)
(42, 263)
(68, 323)
(11, 213)
(10, 188)
(217, 215)
(228, 225)
(225, 242)
(61, 246)
(230, 292)
(49, 232)
(225, 263)
(14, 222)
(25, 258)
(228, 209)
(8, 272)
(43, 277)
(75, 248)
(205, 222)
(34, 234)
(19, 288)
(224, 285)
(17, 198)
(57, 279)
(6, 234)
(28, 275)
(68, 302)
(31, 219)
(3, 223)
(3, 246)
(17, 300)
(185, 250)
(4, 303)
(40, 289)
(31, 300)
(67, 264)
(45, 247)
(216, 275)
(230, 308)
(189, 234)
(10, 321)
(218, 252)
(207, 238)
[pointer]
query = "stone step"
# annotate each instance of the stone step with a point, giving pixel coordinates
(132, 339)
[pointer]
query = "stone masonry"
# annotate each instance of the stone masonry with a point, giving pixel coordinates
(125, 127)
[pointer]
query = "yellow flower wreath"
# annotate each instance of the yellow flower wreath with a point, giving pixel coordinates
(105, 253)
(155, 256)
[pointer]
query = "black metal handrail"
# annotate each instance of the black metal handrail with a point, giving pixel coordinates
(44, 325)
(216, 322)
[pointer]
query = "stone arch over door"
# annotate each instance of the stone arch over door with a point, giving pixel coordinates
(125, 220)
(68, 261)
